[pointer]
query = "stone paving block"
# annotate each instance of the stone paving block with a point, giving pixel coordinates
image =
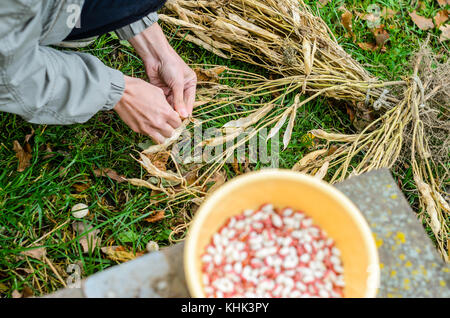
(410, 264)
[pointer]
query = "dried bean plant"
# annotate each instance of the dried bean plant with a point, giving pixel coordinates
(284, 37)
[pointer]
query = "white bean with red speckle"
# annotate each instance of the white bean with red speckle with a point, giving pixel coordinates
(272, 253)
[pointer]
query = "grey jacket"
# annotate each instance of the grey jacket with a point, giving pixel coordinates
(44, 85)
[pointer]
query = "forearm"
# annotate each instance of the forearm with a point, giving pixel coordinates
(151, 45)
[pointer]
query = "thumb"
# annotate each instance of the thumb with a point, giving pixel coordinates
(178, 100)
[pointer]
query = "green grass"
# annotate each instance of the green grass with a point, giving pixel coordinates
(38, 200)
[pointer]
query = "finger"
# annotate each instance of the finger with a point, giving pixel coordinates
(166, 130)
(156, 136)
(189, 98)
(173, 119)
(178, 100)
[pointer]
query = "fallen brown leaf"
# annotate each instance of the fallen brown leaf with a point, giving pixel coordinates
(440, 18)
(367, 46)
(381, 36)
(443, 2)
(81, 187)
(28, 137)
(112, 174)
(159, 159)
(155, 217)
(421, 22)
(209, 75)
(27, 292)
(323, 3)
(346, 20)
(332, 150)
(119, 253)
(23, 155)
(191, 176)
(445, 35)
(351, 113)
(49, 151)
(37, 253)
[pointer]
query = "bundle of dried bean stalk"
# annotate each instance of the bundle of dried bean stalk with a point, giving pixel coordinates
(284, 37)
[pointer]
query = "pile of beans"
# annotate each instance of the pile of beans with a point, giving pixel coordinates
(272, 253)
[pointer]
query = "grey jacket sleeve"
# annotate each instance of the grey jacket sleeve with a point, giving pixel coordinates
(44, 85)
(137, 27)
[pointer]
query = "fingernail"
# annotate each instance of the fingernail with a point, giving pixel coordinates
(183, 113)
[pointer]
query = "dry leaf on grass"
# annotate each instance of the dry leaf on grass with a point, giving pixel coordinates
(159, 159)
(27, 292)
(155, 217)
(443, 3)
(421, 22)
(440, 18)
(81, 187)
(191, 176)
(323, 3)
(346, 20)
(381, 36)
(209, 75)
(89, 241)
(350, 112)
(332, 150)
(23, 155)
(367, 46)
(37, 253)
(445, 35)
(28, 137)
(112, 174)
(49, 152)
(119, 253)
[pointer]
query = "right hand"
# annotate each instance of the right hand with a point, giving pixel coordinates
(144, 108)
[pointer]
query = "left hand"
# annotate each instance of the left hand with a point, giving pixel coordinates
(166, 69)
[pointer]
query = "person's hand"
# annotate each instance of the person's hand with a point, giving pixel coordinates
(144, 108)
(166, 69)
